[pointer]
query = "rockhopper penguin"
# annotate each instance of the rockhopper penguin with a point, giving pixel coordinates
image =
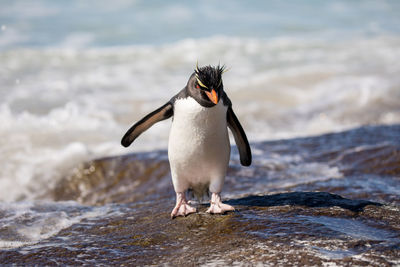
(198, 148)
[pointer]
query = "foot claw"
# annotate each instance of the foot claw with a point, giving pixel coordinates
(182, 208)
(217, 207)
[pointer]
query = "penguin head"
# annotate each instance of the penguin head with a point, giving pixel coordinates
(205, 85)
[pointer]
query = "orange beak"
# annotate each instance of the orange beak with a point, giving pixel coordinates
(213, 96)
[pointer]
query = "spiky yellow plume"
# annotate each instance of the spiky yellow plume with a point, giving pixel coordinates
(200, 83)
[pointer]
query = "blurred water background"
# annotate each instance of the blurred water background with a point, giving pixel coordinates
(74, 75)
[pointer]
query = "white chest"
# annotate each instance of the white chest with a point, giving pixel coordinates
(198, 141)
(195, 123)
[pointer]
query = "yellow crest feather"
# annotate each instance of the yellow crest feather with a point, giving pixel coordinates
(200, 83)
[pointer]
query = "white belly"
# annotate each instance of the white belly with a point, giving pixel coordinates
(198, 148)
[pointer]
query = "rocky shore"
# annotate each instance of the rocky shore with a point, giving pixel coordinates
(317, 201)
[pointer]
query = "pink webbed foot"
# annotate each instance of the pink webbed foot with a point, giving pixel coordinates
(217, 206)
(182, 208)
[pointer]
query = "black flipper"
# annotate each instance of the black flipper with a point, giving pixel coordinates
(162, 113)
(240, 137)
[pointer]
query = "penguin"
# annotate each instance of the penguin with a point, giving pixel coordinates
(198, 146)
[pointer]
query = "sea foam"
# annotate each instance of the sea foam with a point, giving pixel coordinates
(26, 223)
(61, 106)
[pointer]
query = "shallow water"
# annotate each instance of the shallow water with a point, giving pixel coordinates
(327, 199)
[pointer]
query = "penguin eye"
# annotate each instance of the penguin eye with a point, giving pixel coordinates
(198, 86)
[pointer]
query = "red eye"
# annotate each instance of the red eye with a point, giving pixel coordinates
(197, 86)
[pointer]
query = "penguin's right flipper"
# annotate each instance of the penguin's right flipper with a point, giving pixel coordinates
(162, 113)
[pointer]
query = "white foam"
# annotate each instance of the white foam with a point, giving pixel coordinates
(36, 151)
(71, 105)
(27, 223)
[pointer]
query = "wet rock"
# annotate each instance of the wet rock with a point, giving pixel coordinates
(308, 199)
(117, 180)
(325, 200)
(281, 229)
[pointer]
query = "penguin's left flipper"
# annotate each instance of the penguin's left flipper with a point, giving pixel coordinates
(162, 113)
(240, 138)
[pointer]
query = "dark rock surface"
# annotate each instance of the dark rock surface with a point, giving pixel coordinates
(318, 201)
(300, 228)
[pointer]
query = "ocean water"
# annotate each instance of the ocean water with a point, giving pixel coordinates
(75, 75)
